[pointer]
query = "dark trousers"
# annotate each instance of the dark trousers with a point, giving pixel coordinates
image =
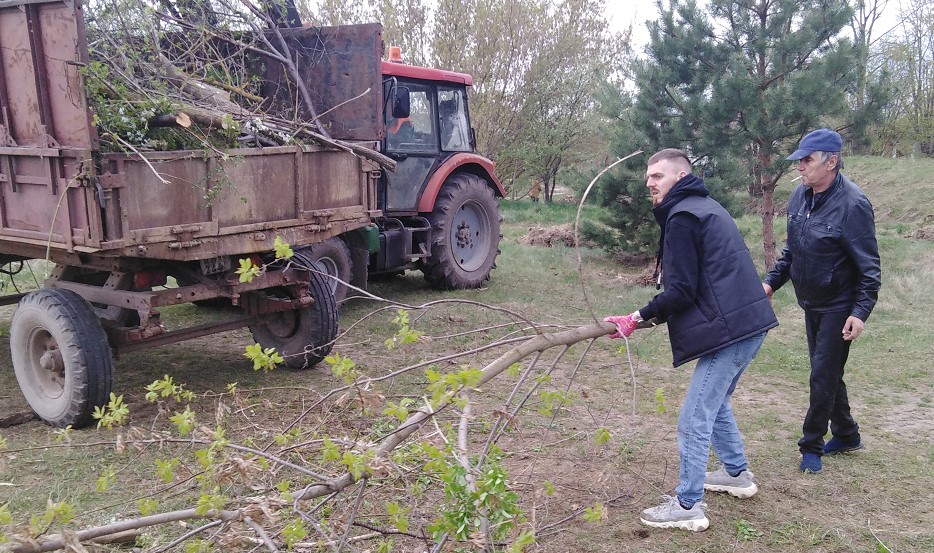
(829, 401)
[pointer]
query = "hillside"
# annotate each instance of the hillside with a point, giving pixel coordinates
(907, 199)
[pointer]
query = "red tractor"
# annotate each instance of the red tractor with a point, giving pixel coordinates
(438, 211)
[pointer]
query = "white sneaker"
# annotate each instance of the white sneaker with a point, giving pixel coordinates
(671, 514)
(741, 485)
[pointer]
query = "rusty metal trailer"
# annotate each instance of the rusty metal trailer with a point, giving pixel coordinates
(117, 226)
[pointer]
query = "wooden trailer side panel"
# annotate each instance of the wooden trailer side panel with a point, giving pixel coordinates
(45, 133)
(192, 205)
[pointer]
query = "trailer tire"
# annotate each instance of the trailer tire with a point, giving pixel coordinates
(465, 234)
(303, 337)
(331, 257)
(61, 357)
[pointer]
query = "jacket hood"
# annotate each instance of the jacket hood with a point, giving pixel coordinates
(690, 185)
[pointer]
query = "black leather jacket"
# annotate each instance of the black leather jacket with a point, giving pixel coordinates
(831, 254)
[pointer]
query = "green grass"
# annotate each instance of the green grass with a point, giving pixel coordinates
(885, 489)
(901, 190)
(542, 213)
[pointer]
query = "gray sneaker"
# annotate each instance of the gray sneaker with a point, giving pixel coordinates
(671, 514)
(741, 486)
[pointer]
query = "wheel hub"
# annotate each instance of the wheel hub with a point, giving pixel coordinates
(51, 360)
(463, 235)
(48, 363)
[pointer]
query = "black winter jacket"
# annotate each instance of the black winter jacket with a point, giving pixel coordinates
(831, 254)
(713, 297)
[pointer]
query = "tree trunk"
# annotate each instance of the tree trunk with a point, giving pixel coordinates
(768, 232)
(765, 186)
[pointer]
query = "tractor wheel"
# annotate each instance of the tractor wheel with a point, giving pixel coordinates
(302, 336)
(61, 357)
(331, 257)
(465, 234)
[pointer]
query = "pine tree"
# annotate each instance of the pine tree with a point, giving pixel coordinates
(738, 84)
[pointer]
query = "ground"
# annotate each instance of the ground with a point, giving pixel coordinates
(880, 495)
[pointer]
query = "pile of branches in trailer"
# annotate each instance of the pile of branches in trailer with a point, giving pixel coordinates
(202, 74)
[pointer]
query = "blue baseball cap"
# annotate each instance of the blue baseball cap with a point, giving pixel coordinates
(821, 140)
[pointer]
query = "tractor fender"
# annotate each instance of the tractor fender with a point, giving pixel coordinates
(465, 163)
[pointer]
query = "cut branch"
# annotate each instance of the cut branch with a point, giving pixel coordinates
(177, 119)
(413, 423)
(59, 542)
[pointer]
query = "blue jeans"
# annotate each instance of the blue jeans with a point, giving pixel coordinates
(707, 418)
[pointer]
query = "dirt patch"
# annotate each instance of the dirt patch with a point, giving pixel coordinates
(925, 233)
(911, 418)
(551, 236)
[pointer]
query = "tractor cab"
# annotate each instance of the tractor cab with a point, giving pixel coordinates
(427, 121)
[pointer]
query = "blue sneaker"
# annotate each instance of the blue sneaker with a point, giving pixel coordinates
(838, 445)
(811, 463)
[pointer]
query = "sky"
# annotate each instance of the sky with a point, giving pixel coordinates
(621, 13)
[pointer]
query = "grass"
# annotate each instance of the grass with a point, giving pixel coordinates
(883, 491)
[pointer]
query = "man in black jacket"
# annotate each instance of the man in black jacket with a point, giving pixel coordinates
(832, 258)
(718, 314)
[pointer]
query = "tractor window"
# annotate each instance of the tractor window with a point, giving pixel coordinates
(414, 133)
(452, 119)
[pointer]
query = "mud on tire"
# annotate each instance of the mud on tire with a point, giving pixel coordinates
(465, 234)
(61, 357)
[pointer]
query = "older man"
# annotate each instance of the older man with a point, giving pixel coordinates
(832, 258)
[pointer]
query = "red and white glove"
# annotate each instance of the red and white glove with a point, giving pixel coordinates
(625, 325)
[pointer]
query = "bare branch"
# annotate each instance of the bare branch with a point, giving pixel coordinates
(58, 542)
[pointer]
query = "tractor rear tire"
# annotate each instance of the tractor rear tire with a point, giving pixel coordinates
(61, 357)
(465, 234)
(304, 337)
(331, 257)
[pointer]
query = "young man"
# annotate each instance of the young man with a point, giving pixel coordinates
(832, 258)
(717, 313)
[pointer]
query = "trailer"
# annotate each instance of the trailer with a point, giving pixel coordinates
(121, 228)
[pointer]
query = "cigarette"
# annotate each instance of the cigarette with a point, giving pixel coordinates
(796, 178)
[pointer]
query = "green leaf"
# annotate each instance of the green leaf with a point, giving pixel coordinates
(166, 469)
(602, 436)
(6, 517)
(524, 540)
(106, 480)
(293, 532)
(549, 488)
(330, 452)
(208, 502)
(283, 251)
(184, 421)
(398, 516)
(248, 271)
(594, 514)
(263, 359)
(147, 506)
(513, 370)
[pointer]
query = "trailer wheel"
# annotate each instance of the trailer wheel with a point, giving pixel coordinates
(302, 336)
(465, 234)
(61, 357)
(331, 257)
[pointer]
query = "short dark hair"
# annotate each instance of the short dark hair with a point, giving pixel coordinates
(669, 154)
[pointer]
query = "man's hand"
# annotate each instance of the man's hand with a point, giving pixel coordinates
(625, 324)
(768, 290)
(852, 328)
